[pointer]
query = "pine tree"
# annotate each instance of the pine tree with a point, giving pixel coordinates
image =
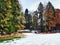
(35, 20)
(10, 12)
(27, 17)
(40, 11)
(50, 15)
(30, 21)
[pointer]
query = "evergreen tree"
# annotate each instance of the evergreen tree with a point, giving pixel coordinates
(30, 21)
(27, 17)
(10, 12)
(35, 20)
(50, 15)
(40, 11)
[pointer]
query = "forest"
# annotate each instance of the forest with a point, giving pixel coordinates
(12, 17)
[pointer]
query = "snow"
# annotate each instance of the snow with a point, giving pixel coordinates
(36, 39)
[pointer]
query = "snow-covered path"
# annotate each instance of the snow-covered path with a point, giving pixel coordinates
(36, 39)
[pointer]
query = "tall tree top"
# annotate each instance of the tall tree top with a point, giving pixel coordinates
(49, 6)
(40, 7)
(26, 11)
(35, 12)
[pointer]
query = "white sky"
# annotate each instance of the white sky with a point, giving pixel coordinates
(33, 4)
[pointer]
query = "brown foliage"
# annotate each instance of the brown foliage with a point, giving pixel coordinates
(57, 16)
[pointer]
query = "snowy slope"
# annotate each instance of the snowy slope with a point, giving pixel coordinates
(36, 39)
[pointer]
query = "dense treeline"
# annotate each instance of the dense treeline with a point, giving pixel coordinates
(44, 18)
(11, 16)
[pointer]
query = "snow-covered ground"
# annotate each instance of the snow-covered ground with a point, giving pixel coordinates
(36, 39)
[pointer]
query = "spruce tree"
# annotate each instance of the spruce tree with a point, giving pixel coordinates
(10, 13)
(40, 11)
(27, 19)
(50, 15)
(35, 20)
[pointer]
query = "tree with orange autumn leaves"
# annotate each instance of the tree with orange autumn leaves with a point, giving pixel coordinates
(50, 16)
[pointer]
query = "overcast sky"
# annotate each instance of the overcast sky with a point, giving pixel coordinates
(33, 4)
